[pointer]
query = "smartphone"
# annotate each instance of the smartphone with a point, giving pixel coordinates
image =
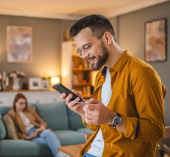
(62, 89)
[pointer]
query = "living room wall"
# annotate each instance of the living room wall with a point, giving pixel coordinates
(47, 37)
(130, 32)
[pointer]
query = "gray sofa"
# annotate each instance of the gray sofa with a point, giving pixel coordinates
(66, 124)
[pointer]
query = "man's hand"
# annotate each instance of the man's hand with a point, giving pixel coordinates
(97, 113)
(73, 105)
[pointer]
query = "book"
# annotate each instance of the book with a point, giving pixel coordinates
(80, 77)
(84, 91)
(75, 79)
(88, 90)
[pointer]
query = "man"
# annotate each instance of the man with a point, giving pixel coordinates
(126, 112)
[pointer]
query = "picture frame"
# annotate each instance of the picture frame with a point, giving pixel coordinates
(156, 40)
(35, 83)
(19, 44)
(45, 84)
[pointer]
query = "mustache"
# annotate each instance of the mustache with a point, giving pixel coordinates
(90, 58)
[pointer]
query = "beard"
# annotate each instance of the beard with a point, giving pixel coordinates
(101, 60)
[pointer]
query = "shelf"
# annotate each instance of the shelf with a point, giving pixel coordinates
(82, 84)
(83, 69)
(27, 90)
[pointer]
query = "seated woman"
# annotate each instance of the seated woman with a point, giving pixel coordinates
(30, 126)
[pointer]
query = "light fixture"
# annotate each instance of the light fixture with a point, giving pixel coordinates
(55, 80)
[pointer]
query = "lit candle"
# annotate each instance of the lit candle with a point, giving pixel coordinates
(4, 75)
(7, 81)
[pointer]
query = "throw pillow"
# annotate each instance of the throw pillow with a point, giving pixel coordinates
(2, 129)
(11, 132)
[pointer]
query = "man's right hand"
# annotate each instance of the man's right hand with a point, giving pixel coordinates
(73, 105)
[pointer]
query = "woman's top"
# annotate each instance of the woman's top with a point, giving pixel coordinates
(27, 123)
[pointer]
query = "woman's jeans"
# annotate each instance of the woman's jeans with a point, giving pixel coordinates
(48, 138)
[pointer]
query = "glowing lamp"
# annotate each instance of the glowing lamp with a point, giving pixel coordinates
(55, 80)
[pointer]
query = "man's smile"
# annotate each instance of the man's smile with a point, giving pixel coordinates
(91, 59)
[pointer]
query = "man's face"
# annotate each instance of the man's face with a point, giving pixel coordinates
(97, 54)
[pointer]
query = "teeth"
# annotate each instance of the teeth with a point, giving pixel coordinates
(89, 60)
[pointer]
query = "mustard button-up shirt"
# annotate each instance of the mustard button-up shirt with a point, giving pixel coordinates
(138, 95)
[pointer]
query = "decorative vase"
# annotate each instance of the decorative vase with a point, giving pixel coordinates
(16, 85)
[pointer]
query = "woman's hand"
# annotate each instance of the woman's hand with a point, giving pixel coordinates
(42, 128)
(32, 136)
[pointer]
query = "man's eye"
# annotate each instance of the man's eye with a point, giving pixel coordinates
(87, 47)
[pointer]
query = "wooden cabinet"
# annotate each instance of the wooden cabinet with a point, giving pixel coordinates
(76, 72)
(42, 97)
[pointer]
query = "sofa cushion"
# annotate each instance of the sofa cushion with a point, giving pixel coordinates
(70, 137)
(9, 124)
(55, 115)
(23, 148)
(84, 130)
(4, 109)
(75, 121)
(2, 128)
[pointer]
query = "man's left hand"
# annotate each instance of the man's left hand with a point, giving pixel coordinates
(97, 113)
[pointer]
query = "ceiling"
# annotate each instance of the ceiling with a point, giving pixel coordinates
(72, 9)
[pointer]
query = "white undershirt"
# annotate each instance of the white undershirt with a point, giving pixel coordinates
(97, 145)
(27, 123)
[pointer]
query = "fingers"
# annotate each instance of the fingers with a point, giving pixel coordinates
(68, 99)
(93, 101)
(71, 103)
(62, 96)
(77, 93)
(93, 111)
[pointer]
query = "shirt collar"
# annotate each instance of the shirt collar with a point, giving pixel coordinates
(118, 66)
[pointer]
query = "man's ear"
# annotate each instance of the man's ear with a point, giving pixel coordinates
(108, 37)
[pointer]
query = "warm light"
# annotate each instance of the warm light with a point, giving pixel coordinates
(55, 80)
(64, 73)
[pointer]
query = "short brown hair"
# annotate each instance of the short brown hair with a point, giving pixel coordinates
(97, 23)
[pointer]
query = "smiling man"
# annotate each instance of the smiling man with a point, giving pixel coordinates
(126, 112)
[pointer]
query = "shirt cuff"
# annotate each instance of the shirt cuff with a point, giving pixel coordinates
(131, 127)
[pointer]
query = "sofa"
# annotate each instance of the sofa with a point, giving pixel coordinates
(66, 124)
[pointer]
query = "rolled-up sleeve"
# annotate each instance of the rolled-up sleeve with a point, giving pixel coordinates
(91, 127)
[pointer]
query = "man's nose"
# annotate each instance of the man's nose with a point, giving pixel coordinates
(85, 55)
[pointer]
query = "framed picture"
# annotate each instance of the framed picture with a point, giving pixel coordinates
(46, 84)
(155, 40)
(19, 44)
(35, 83)
(1, 87)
